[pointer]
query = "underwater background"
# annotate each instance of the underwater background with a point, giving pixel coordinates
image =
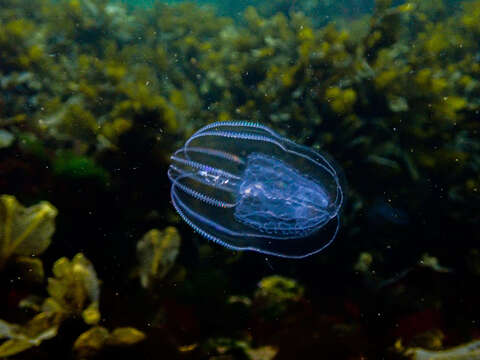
(95, 96)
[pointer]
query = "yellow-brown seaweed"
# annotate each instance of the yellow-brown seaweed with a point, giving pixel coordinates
(74, 290)
(25, 232)
(156, 253)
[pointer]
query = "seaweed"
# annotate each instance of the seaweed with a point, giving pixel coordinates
(465, 351)
(74, 290)
(275, 294)
(156, 253)
(25, 232)
(92, 341)
(76, 167)
(238, 349)
(20, 338)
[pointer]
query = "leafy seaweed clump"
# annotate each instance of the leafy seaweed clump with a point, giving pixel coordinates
(156, 252)
(276, 293)
(73, 292)
(25, 233)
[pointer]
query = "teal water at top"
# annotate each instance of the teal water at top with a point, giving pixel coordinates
(322, 9)
(321, 12)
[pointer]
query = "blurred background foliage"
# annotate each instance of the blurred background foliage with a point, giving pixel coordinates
(95, 96)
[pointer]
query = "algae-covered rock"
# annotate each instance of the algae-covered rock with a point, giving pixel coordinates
(364, 262)
(74, 290)
(6, 138)
(276, 293)
(156, 253)
(25, 232)
(226, 348)
(95, 339)
(125, 336)
(42, 327)
(90, 342)
(469, 350)
(433, 263)
(262, 353)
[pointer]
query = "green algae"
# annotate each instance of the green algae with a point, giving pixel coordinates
(70, 165)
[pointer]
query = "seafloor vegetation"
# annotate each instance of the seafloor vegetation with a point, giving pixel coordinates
(95, 96)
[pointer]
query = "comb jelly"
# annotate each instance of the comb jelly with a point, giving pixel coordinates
(242, 185)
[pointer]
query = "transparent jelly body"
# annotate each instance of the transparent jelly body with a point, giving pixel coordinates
(244, 186)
